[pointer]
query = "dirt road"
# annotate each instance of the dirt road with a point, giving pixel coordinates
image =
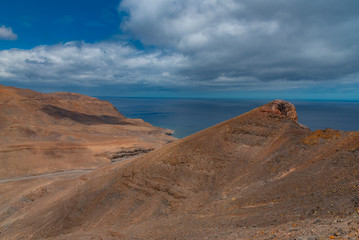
(69, 173)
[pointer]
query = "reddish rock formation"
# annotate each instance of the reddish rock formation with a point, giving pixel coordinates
(281, 107)
(260, 175)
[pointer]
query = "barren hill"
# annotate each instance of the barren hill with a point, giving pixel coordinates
(41, 133)
(260, 175)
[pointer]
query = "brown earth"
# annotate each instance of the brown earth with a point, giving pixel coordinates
(261, 175)
(42, 133)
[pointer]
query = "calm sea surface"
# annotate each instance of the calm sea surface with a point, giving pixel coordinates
(187, 116)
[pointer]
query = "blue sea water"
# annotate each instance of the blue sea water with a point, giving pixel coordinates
(188, 116)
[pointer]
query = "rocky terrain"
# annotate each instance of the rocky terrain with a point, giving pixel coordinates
(261, 175)
(42, 133)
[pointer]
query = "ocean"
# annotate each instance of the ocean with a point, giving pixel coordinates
(188, 116)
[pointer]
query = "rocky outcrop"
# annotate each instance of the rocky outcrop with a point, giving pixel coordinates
(281, 107)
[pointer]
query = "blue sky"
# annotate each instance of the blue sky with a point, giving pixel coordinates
(292, 49)
(51, 22)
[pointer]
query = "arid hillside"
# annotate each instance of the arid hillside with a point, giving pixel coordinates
(260, 175)
(42, 133)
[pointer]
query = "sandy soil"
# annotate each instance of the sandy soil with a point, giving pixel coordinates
(261, 175)
(43, 133)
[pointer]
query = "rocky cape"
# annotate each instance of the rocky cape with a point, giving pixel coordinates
(43, 133)
(261, 175)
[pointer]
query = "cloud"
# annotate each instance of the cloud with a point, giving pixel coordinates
(264, 40)
(208, 45)
(6, 33)
(83, 64)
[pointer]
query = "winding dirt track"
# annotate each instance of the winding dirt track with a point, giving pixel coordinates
(72, 173)
(69, 173)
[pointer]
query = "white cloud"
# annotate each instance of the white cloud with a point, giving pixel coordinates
(192, 24)
(6, 33)
(79, 63)
(179, 24)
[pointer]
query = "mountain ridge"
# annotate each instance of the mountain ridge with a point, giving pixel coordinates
(257, 175)
(41, 133)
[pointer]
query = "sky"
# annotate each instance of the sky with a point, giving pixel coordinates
(290, 49)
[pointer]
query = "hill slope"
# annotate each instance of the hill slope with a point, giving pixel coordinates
(42, 133)
(260, 175)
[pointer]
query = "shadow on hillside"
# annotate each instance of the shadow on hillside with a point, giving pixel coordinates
(82, 118)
